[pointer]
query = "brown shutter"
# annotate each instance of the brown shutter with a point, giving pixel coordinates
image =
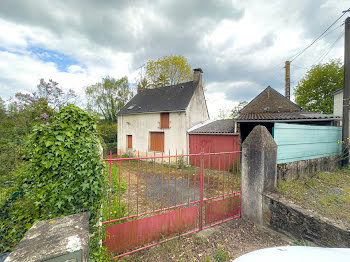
(164, 120)
(129, 141)
(157, 141)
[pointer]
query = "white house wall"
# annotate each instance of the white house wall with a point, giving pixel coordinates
(338, 107)
(197, 111)
(140, 126)
(338, 104)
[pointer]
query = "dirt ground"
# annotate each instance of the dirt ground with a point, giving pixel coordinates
(220, 243)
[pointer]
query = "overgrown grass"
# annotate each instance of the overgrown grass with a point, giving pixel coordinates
(327, 193)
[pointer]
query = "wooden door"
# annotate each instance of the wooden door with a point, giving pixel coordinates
(157, 141)
(129, 141)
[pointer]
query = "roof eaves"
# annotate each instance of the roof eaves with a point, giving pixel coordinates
(151, 112)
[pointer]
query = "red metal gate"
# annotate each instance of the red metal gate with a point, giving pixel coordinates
(153, 199)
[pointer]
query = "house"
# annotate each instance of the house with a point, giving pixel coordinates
(215, 136)
(157, 120)
(338, 102)
(270, 107)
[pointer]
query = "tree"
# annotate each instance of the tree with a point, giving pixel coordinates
(225, 113)
(314, 90)
(108, 97)
(49, 93)
(168, 70)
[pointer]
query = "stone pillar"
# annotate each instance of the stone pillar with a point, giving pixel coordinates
(259, 172)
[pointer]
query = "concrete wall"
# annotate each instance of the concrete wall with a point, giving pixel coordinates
(284, 216)
(304, 168)
(140, 126)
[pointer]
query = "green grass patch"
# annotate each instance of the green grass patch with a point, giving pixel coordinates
(327, 193)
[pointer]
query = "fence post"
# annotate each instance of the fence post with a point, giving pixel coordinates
(201, 191)
(259, 172)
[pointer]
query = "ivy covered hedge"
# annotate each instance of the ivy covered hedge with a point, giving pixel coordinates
(63, 175)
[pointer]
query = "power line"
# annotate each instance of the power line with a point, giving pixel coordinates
(318, 38)
(330, 48)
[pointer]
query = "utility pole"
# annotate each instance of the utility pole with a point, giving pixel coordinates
(346, 93)
(287, 67)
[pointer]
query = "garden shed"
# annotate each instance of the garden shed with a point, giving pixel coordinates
(212, 137)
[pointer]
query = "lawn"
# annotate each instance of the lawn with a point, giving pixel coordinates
(326, 193)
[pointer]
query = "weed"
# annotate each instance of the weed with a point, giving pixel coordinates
(206, 259)
(221, 255)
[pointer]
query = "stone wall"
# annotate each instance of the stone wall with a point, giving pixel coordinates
(286, 217)
(298, 169)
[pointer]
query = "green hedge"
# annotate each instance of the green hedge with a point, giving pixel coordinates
(63, 176)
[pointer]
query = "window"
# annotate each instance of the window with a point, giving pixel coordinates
(129, 141)
(164, 120)
(157, 141)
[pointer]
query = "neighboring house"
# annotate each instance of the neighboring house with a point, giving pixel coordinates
(157, 120)
(338, 102)
(213, 137)
(270, 107)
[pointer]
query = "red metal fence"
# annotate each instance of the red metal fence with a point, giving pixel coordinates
(156, 198)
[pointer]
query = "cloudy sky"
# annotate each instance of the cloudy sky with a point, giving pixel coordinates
(240, 45)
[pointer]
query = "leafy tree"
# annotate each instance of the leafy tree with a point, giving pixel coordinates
(168, 70)
(314, 90)
(225, 113)
(108, 97)
(49, 93)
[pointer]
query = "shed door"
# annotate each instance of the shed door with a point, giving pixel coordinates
(129, 141)
(157, 141)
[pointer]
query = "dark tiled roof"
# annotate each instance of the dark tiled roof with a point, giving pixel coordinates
(270, 101)
(216, 127)
(164, 99)
(286, 116)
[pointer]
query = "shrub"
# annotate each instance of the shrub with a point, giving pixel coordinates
(63, 175)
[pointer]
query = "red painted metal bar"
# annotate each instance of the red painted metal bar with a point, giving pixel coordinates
(201, 193)
(154, 184)
(182, 178)
(129, 185)
(223, 221)
(229, 194)
(137, 184)
(240, 191)
(120, 181)
(194, 179)
(110, 183)
(146, 175)
(223, 178)
(169, 180)
(175, 175)
(161, 196)
(161, 193)
(185, 155)
(150, 212)
(154, 244)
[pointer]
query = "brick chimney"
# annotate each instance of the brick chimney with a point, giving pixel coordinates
(197, 75)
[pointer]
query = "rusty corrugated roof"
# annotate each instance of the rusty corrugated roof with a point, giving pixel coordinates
(309, 116)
